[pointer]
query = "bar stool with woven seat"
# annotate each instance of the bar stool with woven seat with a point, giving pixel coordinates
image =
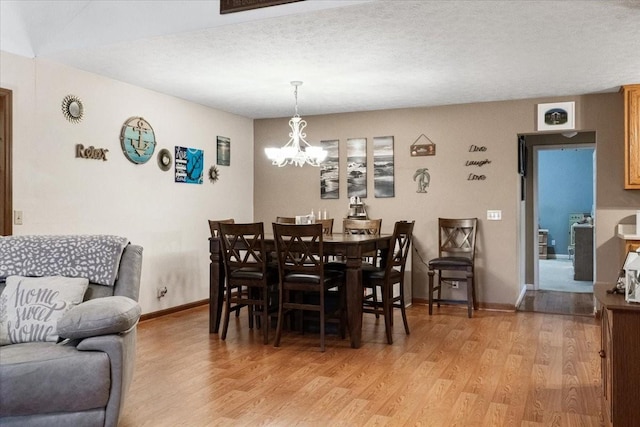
(304, 284)
(457, 248)
(387, 277)
(249, 280)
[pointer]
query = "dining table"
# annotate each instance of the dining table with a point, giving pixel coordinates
(351, 247)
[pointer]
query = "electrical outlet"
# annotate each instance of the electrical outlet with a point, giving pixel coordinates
(162, 292)
(455, 284)
(553, 242)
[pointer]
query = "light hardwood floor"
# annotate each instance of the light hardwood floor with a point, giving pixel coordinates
(496, 369)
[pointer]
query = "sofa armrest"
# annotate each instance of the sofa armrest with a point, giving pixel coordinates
(100, 316)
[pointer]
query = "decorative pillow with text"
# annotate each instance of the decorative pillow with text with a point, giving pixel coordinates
(31, 306)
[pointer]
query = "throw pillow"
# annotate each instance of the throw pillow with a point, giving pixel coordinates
(31, 306)
(100, 316)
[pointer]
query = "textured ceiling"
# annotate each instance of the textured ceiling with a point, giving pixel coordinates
(351, 55)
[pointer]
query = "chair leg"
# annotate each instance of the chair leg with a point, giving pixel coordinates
(227, 315)
(283, 299)
(375, 299)
(322, 320)
(265, 314)
(431, 273)
(387, 310)
(403, 310)
(470, 302)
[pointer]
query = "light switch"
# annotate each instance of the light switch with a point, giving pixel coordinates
(17, 217)
(494, 215)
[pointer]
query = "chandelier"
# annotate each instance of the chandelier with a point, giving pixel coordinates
(297, 151)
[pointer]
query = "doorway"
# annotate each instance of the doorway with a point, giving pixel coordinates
(559, 205)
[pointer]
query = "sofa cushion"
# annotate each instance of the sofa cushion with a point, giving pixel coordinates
(31, 306)
(101, 316)
(42, 377)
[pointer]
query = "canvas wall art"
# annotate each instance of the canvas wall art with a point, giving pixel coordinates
(223, 146)
(189, 165)
(357, 167)
(330, 171)
(383, 165)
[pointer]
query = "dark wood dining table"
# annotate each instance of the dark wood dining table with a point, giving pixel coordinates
(350, 246)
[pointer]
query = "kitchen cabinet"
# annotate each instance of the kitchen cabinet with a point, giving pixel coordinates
(631, 95)
(620, 347)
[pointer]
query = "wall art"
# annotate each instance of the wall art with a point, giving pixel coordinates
(91, 152)
(189, 165)
(164, 159)
(422, 146)
(72, 108)
(224, 151)
(423, 178)
(357, 167)
(556, 116)
(383, 166)
(214, 174)
(137, 139)
(330, 170)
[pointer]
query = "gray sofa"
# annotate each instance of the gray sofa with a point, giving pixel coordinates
(82, 380)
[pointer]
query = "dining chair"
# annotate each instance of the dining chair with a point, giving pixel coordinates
(361, 226)
(249, 280)
(385, 278)
(455, 261)
(304, 284)
(327, 225)
(286, 220)
(214, 225)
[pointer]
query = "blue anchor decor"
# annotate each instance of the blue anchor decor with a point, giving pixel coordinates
(138, 140)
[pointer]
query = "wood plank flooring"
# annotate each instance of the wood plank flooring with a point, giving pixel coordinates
(496, 369)
(543, 301)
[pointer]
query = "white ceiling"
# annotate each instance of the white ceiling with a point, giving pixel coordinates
(351, 55)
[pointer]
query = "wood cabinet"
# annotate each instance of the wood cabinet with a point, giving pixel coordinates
(631, 95)
(620, 349)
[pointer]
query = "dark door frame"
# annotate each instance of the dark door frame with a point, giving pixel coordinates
(6, 135)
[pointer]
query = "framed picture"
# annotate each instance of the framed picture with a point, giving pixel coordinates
(330, 171)
(383, 165)
(224, 151)
(556, 116)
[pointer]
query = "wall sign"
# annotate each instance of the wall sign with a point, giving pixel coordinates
(91, 152)
(189, 165)
(477, 163)
(427, 148)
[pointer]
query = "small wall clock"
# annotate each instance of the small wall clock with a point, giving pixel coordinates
(138, 140)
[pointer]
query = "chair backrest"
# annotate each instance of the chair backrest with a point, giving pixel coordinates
(243, 246)
(214, 225)
(399, 247)
(299, 248)
(286, 220)
(457, 237)
(361, 226)
(327, 225)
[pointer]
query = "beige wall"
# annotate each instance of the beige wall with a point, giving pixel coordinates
(495, 125)
(61, 194)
